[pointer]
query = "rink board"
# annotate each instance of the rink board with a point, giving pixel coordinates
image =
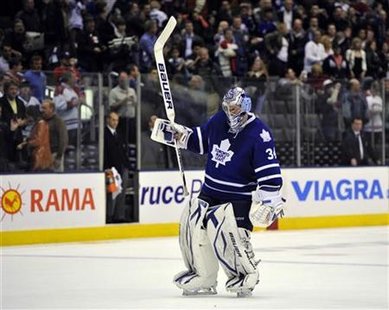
(71, 207)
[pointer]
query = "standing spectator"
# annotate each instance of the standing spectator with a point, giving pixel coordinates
(374, 126)
(25, 94)
(314, 52)
(115, 156)
(373, 61)
(277, 48)
(176, 62)
(146, 46)
(356, 149)
(36, 78)
(7, 141)
(297, 39)
(90, 47)
(356, 58)
(157, 14)
(67, 104)
(39, 144)
(335, 66)
(354, 104)
(58, 134)
(287, 14)
(14, 115)
(154, 154)
(189, 39)
(75, 21)
(66, 65)
(327, 108)
(133, 74)
(30, 17)
(226, 53)
(122, 100)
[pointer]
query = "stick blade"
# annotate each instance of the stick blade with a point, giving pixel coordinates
(165, 34)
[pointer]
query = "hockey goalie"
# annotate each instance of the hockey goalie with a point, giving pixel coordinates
(241, 189)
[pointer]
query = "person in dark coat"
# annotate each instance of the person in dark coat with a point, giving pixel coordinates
(356, 149)
(115, 155)
(13, 111)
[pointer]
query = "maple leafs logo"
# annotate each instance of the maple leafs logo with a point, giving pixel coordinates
(265, 135)
(221, 154)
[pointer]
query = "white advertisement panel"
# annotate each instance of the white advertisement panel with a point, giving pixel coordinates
(43, 201)
(309, 192)
(336, 191)
(161, 195)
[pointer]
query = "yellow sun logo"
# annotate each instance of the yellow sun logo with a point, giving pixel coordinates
(11, 201)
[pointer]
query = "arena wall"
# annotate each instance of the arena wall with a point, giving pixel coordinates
(50, 208)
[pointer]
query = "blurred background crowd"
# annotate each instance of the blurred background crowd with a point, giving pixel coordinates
(315, 70)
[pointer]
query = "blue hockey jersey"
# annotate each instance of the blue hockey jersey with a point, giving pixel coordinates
(236, 164)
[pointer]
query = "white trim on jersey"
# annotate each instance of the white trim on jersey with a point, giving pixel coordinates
(200, 137)
(229, 192)
(268, 177)
(266, 167)
(228, 183)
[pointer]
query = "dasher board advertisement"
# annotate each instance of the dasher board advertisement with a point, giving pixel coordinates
(52, 201)
(308, 192)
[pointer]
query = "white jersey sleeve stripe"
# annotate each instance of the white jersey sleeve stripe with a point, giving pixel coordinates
(228, 183)
(200, 137)
(267, 167)
(274, 176)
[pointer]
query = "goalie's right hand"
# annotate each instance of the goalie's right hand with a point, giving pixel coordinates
(266, 208)
(170, 133)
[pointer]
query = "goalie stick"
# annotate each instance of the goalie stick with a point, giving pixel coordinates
(165, 87)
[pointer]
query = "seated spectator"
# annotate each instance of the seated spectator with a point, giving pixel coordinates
(267, 24)
(356, 149)
(354, 104)
(122, 100)
(327, 44)
(356, 58)
(67, 103)
(255, 83)
(176, 62)
(58, 135)
(36, 78)
(14, 73)
(146, 46)
(336, 66)
(16, 37)
(327, 106)
(7, 53)
(157, 14)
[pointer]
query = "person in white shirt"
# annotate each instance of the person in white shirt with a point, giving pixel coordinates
(373, 127)
(314, 52)
(122, 99)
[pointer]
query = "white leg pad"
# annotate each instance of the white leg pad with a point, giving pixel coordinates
(233, 249)
(200, 261)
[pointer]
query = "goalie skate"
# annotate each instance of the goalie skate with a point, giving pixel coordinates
(242, 286)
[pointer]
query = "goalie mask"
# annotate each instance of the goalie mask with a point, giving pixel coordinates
(236, 104)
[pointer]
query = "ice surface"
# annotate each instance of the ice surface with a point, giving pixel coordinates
(307, 269)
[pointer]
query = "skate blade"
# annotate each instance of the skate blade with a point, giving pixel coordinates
(200, 292)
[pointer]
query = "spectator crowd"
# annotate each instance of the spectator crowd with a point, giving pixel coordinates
(319, 43)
